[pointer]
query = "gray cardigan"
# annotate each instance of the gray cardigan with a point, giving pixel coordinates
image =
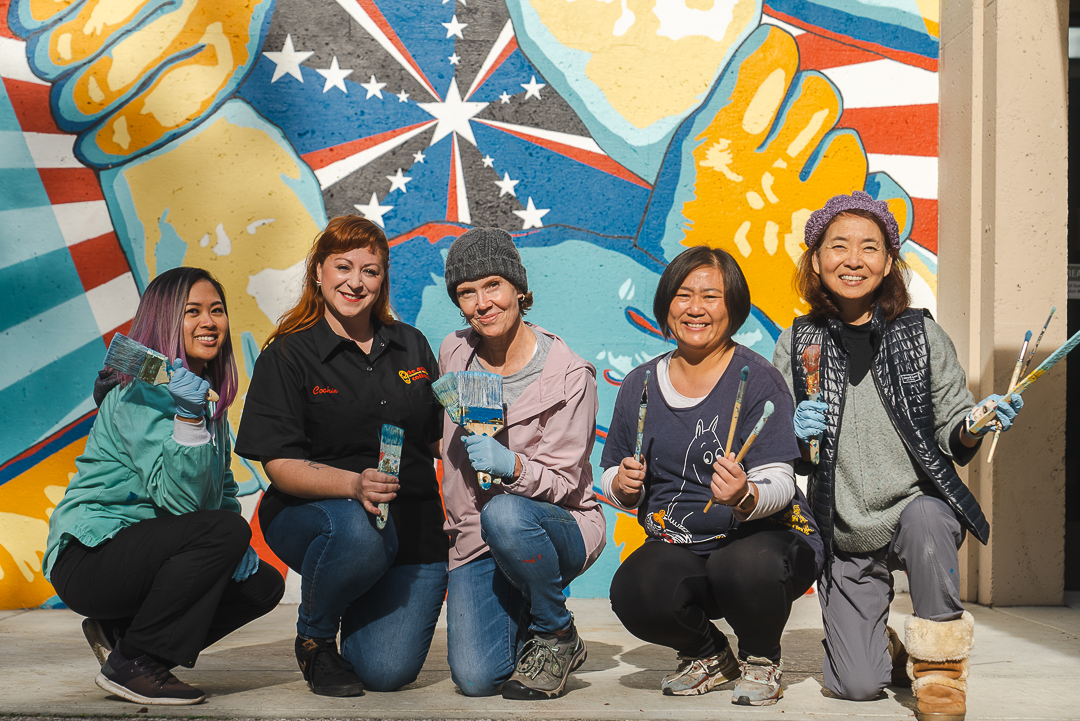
(876, 477)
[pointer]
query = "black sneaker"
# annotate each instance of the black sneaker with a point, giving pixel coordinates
(326, 672)
(545, 664)
(98, 639)
(144, 680)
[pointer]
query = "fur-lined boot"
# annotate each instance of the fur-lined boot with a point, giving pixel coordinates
(938, 665)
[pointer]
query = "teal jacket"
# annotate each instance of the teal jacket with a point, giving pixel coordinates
(133, 469)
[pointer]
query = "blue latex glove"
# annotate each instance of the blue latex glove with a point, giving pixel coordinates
(188, 391)
(488, 455)
(1005, 413)
(810, 419)
(249, 564)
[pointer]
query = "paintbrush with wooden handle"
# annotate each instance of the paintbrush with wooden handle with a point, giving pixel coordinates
(1012, 385)
(136, 360)
(811, 357)
(766, 412)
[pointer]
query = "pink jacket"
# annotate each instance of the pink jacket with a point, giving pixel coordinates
(551, 427)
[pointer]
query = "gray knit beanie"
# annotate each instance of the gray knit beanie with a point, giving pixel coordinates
(481, 252)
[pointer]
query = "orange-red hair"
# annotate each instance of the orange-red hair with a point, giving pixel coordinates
(342, 234)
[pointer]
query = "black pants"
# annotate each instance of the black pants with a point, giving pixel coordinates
(666, 594)
(165, 584)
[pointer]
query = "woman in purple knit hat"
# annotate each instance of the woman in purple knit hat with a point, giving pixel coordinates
(892, 418)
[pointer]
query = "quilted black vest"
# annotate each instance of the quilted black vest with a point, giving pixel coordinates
(901, 373)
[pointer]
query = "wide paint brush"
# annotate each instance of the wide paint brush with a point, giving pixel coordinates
(988, 414)
(1012, 385)
(481, 396)
(810, 359)
(136, 360)
(768, 410)
(738, 408)
(446, 392)
(641, 416)
(391, 440)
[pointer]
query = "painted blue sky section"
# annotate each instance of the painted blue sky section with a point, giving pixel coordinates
(418, 27)
(863, 21)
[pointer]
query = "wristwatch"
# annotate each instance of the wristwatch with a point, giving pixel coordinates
(747, 501)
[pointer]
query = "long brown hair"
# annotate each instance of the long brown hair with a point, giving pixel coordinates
(342, 234)
(891, 295)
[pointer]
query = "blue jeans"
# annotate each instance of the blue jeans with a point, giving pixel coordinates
(536, 551)
(386, 613)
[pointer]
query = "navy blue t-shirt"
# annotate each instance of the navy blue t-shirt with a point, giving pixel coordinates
(681, 444)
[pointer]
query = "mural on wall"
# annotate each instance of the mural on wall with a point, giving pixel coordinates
(606, 136)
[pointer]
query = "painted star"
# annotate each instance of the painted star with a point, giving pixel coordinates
(398, 181)
(489, 161)
(504, 98)
(532, 88)
(375, 212)
(454, 59)
(454, 28)
(418, 156)
(530, 216)
(402, 96)
(335, 76)
(288, 60)
(374, 88)
(507, 186)
(453, 115)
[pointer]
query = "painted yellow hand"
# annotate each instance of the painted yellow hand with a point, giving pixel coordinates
(764, 163)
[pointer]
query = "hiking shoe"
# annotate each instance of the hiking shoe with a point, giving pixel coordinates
(701, 675)
(544, 665)
(759, 684)
(326, 672)
(98, 639)
(144, 680)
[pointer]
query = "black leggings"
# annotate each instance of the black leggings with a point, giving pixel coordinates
(666, 594)
(165, 584)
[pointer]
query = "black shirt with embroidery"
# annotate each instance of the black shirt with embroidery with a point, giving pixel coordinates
(317, 396)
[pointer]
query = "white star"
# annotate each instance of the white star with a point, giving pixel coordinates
(504, 98)
(532, 88)
(374, 212)
(453, 115)
(454, 28)
(488, 161)
(530, 216)
(288, 60)
(335, 76)
(506, 185)
(454, 59)
(418, 156)
(374, 88)
(397, 181)
(402, 96)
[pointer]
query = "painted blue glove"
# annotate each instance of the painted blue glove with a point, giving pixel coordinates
(488, 455)
(249, 564)
(188, 391)
(1005, 413)
(810, 419)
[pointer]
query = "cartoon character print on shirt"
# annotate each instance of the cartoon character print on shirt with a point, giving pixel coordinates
(701, 453)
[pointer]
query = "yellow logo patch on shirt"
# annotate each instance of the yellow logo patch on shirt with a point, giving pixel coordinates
(419, 373)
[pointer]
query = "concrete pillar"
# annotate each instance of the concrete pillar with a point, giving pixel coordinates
(1003, 174)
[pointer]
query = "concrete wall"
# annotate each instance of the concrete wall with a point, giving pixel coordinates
(606, 136)
(1003, 179)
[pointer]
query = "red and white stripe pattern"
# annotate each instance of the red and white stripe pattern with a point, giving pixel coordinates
(894, 108)
(74, 193)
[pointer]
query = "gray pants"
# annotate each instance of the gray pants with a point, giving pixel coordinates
(855, 593)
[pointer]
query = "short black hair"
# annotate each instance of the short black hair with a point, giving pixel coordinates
(736, 291)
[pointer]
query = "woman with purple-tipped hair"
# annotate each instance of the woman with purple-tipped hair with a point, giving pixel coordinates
(893, 416)
(148, 542)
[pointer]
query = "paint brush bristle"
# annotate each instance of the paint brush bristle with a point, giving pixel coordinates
(136, 360)
(446, 392)
(811, 357)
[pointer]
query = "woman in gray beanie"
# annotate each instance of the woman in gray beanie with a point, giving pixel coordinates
(516, 545)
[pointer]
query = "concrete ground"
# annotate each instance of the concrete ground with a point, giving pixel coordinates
(1025, 666)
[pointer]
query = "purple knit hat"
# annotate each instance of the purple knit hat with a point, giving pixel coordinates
(858, 200)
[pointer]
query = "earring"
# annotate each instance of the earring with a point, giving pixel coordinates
(521, 299)
(318, 283)
(461, 313)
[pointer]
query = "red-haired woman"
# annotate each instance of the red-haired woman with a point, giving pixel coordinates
(335, 370)
(893, 416)
(148, 541)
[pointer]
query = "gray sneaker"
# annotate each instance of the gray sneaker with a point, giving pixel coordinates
(544, 665)
(701, 675)
(759, 684)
